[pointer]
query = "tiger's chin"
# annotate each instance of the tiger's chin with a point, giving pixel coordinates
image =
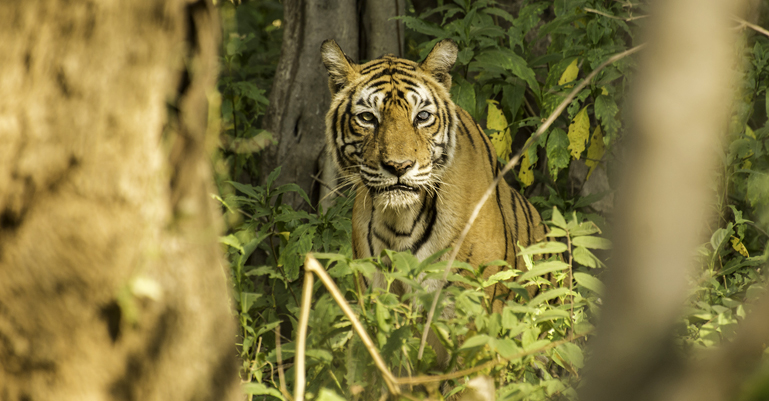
(396, 197)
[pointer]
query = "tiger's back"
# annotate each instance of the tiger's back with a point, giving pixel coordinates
(420, 164)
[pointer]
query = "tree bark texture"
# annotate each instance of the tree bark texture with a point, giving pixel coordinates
(380, 34)
(111, 283)
(299, 99)
(681, 109)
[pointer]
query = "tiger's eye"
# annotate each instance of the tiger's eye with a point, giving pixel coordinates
(367, 117)
(423, 116)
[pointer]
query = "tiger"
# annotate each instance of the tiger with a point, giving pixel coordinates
(419, 164)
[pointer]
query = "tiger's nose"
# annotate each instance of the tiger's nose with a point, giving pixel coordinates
(397, 168)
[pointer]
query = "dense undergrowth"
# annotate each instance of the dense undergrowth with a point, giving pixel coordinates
(512, 71)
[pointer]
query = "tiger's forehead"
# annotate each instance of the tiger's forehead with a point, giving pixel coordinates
(390, 79)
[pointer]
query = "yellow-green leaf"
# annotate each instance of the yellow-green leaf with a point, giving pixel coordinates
(502, 139)
(739, 247)
(595, 151)
(579, 131)
(525, 174)
(569, 75)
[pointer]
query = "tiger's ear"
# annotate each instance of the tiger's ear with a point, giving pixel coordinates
(339, 66)
(440, 60)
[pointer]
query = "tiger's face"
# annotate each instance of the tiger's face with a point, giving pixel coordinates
(391, 124)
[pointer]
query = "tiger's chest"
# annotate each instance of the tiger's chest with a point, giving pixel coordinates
(420, 229)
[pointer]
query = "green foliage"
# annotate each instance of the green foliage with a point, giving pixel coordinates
(250, 50)
(276, 237)
(534, 335)
(527, 63)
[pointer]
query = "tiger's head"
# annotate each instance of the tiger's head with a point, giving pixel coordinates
(391, 126)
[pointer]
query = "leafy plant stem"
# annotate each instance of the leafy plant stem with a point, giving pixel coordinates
(571, 287)
(311, 265)
(281, 376)
(513, 161)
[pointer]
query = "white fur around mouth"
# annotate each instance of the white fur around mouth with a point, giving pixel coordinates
(396, 197)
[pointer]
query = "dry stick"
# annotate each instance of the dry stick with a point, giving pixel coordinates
(279, 355)
(558, 110)
(301, 336)
(751, 26)
(628, 19)
(311, 265)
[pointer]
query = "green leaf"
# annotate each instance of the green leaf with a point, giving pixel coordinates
(299, 243)
(557, 151)
(606, 110)
(499, 276)
(548, 295)
(507, 60)
(544, 247)
(476, 341)
(422, 26)
(590, 199)
(272, 177)
(328, 395)
(584, 228)
(246, 189)
(572, 354)
(543, 268)
(382, 317)
(320, 354)
(592, 242)
(552, 314)
(558, 219)
(291, 187)
(720, 236)
(556, 233)
(267, 327)
(506, 347)
(246, 300)
(463, 94)
(261, 389)
(591, 283)
(584, 257)
(232, 241)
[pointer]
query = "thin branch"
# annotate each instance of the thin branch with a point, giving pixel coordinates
(301, 336)
(751, 26)
(557, 112)
(628, 19)
(311, 265)
(279, 355)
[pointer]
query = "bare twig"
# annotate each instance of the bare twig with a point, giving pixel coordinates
(301, 335)
(279, 355)
(751, 26)
(558, 110)
(628, 19)
(311, 265)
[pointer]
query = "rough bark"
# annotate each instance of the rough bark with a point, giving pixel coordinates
(111, 285)
(681, 110)
(381, 35)
(299, 98)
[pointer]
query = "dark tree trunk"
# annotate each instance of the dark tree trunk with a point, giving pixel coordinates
(111, 283)
(299, 99)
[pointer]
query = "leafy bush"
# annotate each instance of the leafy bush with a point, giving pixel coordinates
(511, 73)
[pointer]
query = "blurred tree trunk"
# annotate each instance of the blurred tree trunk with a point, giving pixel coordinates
(299, 99)
(681, 111)
(111, 286)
